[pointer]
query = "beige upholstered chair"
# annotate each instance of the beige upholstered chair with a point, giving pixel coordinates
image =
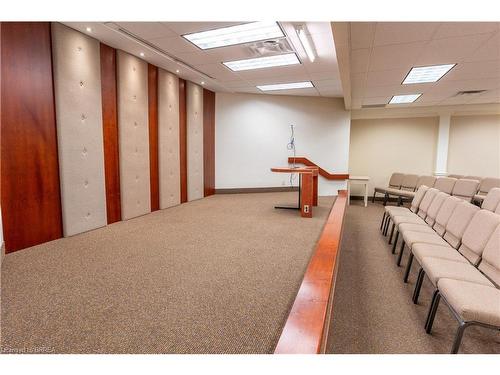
(472, 303)
(465, 189)
(426, 180)
(485, 186)
(415, 203)
(407, 190)
(445, 184)
(457, 176)
(394, 182)
(492, 200)
(477, 178)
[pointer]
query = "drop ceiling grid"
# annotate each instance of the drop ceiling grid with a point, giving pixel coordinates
(365, 38)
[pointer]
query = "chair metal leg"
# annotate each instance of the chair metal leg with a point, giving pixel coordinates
(386, 197)
(458, 337)
(400, 201)
(400, 255)
(395, 242)
(373, 199)
(387, 226)
(436, 297)
(418, 285)
(408, 268)
(392, 233)
(383, 220)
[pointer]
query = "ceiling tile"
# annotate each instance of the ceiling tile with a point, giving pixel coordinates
(448, 29)
(403, 32)
(217, 71)
(488, 51)
(401, 56)
(376, 100)
(362, 34)
(450, 50)
(181, 28)
(147, 30)
(327, 83)
(174, 44)
(298, 92)
(474, 70)
(330, 92)
(378, 91)
(386, 77)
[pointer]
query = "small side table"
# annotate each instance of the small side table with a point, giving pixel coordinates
(360, 180)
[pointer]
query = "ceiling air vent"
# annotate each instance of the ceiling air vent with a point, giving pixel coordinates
(270, 47)
(373, 106)
(469, 92)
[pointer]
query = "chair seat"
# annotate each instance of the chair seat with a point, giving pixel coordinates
(473, 302)
(411, 238)
(415, 227)
(436, 269)
(397, 209)
(400, 192)
(413, 219)
(422, 250)
(380, 190)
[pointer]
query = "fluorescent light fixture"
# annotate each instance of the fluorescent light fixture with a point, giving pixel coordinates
(286, 86)
(228, 36)
(402, 99)
(425, 74)
(263, 62)
(304, 39)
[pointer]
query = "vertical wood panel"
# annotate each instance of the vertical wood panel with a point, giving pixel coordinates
(31, 200)
(183, 138)
(153, 136)
(110, 133)
(208, 142)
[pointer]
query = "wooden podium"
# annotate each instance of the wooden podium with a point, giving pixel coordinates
(308, 188)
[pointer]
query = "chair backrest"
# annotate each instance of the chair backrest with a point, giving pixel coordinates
(487, 184)
(460, 218)
(445, 184)
(477, 234)
(426, 180)
(417, 199)
(477, 178)
(396, 180)
(497, 210)
(492, 200)
(457, 176)
(445, 213)
(434, 207)
(465, 189)
(490, 262)
(426, 202)
(409, 182)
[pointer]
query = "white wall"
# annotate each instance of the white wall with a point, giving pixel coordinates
(252, 131)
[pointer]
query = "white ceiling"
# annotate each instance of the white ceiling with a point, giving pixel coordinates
(206, 65)
(382, 53)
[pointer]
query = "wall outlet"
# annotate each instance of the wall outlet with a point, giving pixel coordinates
(306, 208)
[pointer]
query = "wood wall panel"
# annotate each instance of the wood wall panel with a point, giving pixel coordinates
(30, 195)
(110, 133)
(153, 136)
(208, 142)
(183, 138)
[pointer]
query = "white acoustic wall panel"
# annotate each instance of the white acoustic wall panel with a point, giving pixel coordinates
(133, 135)
(77, 84)
(194, 108)
(168, 139)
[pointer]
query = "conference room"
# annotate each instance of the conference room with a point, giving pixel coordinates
(250, 187)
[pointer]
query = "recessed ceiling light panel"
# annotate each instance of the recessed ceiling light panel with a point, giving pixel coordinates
(426, 74)
(263, 62)
(286, 86)
(402, 99)
(228, 36)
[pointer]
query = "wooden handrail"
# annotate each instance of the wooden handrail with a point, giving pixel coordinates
(322, 172)
(306, 329)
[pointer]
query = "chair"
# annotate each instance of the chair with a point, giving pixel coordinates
(477, 178)
(394, 182)
(457, 176)
(445, 184)
(426, 180)
(407, 189)
(472, 303)
(485, 186)
(492, 200)
(465, 189)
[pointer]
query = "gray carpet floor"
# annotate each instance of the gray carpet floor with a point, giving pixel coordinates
(217, 275)
(373, 311)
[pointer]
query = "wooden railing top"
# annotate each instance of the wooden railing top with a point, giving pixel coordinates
(306, 328)
(322, 172)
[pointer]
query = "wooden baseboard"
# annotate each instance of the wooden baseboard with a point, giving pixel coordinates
(278, 189)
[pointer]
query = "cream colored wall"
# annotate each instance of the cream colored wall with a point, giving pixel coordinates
(380, 147)
(474, 147)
